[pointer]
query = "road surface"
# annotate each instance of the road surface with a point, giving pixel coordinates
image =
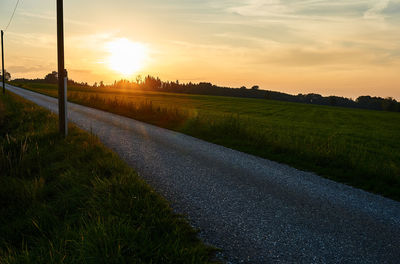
(255, 210)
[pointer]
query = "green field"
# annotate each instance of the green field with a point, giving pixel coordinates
(73, 201)
(357, 147)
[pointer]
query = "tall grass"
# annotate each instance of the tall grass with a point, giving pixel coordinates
(73, 201)
(357, 147)
(144, 110)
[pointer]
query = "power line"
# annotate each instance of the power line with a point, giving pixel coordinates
(12, 16)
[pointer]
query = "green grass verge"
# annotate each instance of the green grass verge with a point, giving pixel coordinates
(353, 146)
(73, 201)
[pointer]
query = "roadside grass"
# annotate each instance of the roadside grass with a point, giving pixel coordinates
(353, 146)
(70, 200)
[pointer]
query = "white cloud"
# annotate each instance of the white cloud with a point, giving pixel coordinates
(375, 12)
(37, 40)
(260, 8)
(50, 17)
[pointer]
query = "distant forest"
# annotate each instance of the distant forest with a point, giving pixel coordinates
(150, 83)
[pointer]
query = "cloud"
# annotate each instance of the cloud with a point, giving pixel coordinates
(38, 40)
(304, 10)
(90, 41)
(260, 8)
(302, 57)
(34, 15)
(51, 17)
(375, 12)
(80, 71)
(24, 69)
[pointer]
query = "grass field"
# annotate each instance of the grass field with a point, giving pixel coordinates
(357, 147)
(73, 201)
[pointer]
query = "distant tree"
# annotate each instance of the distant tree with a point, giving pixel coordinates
(151, 82)
(255, 87)
(243, 88)
(332, 100)
(378, 103)
(95, 85)
(205, 85)
(51, 77)
(7, 76)
(101, 85)
(389, 104)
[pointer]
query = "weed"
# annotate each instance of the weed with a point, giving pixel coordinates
(70, 200)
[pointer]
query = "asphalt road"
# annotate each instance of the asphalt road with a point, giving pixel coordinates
(255, 210)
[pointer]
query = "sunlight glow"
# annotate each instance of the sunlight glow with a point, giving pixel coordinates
(126, 57)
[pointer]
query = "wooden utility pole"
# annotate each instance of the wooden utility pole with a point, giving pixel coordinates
(62, 94)
(2, 63)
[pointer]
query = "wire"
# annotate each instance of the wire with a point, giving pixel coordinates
(12, 16)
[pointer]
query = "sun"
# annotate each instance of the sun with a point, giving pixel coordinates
(126, 57)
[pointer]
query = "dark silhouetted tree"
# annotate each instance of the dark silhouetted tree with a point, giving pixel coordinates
(7, 76)
(51, 77)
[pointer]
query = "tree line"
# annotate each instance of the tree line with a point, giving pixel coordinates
(150, 83)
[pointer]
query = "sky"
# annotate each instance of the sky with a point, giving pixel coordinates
(343, 47)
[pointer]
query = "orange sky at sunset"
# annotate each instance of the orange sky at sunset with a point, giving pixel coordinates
(345, 48)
